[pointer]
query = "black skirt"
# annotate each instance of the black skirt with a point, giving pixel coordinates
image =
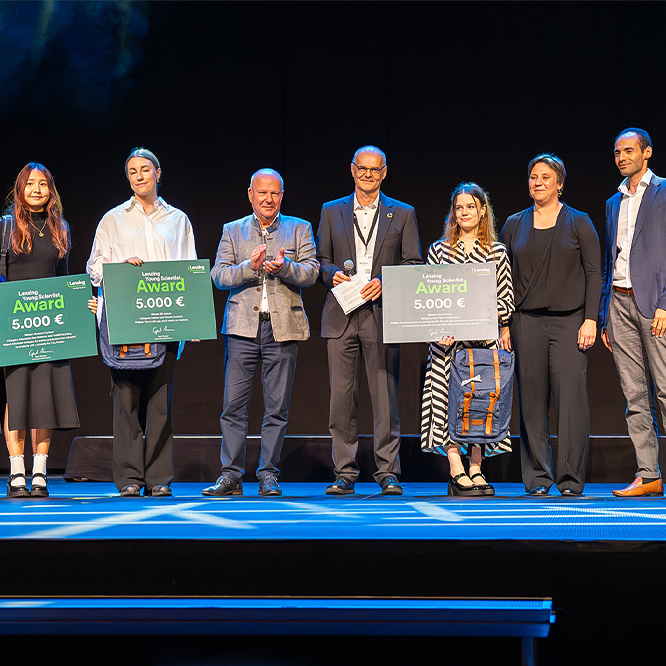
(41, 395)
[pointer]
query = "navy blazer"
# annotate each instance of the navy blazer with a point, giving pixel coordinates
(647, 259)
(397, 242)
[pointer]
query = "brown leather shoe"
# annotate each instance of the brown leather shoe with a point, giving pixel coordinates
(638, 489)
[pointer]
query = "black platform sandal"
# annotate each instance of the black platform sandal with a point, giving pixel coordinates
(39, 490)
(17, 491)
(488, 490)
(457, 489)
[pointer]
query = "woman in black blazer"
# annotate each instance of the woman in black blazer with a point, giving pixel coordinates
(556, 267)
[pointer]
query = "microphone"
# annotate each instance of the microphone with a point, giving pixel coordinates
(349, 267)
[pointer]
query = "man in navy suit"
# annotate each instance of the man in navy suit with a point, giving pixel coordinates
(372, 231)
(633, 302)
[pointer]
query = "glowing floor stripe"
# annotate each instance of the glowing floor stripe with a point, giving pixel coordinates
(73, 528)
(201, 517)
(399, 513)
(434, 511)
(320, 508)
(123, 518)
(296, 507)
(532, 527)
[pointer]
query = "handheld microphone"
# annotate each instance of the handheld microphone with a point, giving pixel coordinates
(349, 267)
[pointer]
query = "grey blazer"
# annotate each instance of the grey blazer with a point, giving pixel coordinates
(232, 271)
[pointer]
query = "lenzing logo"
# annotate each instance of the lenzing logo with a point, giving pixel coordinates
(481, 270)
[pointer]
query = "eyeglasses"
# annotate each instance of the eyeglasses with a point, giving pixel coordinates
(373, 171)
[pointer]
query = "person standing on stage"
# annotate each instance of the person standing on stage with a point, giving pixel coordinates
(469, 238)
(264, 260)
(556, 267)
(144, 228)
(40, 396)
(633, 304)
(365, 230)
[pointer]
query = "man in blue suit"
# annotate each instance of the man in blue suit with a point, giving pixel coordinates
(633, 302)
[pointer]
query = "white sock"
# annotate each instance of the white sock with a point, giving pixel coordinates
(17, 466)
(39, 466)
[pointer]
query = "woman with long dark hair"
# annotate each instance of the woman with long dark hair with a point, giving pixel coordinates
(40, 396)
(469, 237)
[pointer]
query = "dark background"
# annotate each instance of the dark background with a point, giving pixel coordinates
(450, 91)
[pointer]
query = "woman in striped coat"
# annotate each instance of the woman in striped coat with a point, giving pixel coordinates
(469, 237)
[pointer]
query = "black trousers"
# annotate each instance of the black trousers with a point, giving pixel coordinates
(142, 424)
(549, 364)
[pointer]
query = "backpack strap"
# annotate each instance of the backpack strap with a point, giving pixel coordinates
(4, 247)
(494, 396)
(124, 349)
(468, 395)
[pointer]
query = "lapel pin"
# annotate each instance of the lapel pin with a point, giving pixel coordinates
(389, 214)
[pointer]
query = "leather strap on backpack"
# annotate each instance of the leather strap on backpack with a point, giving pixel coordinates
(494, 397)
(468, 396)
(124, 348)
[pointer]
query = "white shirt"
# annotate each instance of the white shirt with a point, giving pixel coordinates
(264, 295)
(126, 231)
(365, 215)
(626, 224)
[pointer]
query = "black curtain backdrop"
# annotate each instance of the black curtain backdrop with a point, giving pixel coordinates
(450, 91)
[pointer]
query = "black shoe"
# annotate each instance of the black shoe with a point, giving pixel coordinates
(132, 490)
(539, 491)
(225, 485)
(157, 491)
(39, 490)
(390, 486)
(570, 492)
(269, 486)
(488, 490)
(457, 489)
(342, 486)
(17, 491)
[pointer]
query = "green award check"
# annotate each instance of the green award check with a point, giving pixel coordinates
(428, 303)
(159, 301)
(46, 320)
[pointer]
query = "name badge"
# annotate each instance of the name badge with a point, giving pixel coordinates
(364, 264)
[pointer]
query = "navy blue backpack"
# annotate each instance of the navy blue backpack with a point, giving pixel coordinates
(480, 395)
(129, 357)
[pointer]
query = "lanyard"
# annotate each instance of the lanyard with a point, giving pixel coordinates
(372, 228)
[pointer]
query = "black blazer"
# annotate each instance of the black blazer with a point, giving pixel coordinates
(397, 243)
(574, 276)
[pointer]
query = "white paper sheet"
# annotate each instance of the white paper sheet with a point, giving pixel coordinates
(348, 294)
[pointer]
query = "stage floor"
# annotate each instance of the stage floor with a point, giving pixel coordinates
(304, 512)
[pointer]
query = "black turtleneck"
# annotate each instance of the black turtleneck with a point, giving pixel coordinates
(43, 261)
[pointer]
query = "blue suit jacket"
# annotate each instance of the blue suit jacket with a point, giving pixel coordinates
(647, 260)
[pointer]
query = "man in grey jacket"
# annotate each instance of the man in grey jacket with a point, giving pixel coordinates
(263, 259)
